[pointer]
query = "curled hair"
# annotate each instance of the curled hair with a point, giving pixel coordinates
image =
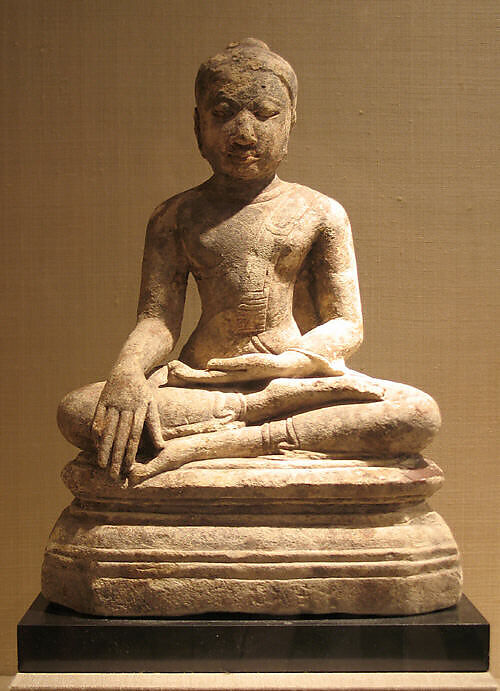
(248, 54)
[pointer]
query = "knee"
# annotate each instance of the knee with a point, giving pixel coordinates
(420, 420)
(75, 414)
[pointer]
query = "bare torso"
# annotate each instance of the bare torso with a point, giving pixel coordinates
(246, 261)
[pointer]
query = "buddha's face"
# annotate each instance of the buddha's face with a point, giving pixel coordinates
(243, 122)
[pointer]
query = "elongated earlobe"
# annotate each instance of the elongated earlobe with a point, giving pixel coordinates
(197, 131)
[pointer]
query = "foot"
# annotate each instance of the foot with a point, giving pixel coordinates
(176, 453)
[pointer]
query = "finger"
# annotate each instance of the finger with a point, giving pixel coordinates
(250, 374)
(183, 372)
(98, 424)
(228, 364)
(133, 439)
(153, 423)
(159, 377)
(173, 366)
(338, 367)
(178, 378)
(120, 444)
(179, 368)
(108, 436)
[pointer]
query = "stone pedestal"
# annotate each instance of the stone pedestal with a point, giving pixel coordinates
(55, 639)
(279, 535)
(60, 649)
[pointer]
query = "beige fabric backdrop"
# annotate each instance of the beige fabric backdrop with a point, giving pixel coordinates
(398, 120)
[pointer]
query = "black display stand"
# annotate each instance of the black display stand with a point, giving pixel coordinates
(58, 640)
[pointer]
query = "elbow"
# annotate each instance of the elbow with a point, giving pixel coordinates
(154, 330)
(151, 325)
(356, 338)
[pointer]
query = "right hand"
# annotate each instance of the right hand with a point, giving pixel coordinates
(127, 402)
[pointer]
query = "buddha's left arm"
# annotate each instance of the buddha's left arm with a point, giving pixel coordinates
(336, 291)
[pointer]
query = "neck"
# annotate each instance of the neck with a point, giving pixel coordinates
(244, 190)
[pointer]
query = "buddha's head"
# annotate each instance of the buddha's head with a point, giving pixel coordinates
(245, 108)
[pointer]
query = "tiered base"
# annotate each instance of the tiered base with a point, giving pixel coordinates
(271, 535)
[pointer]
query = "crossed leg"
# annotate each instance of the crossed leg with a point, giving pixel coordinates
(353, 415)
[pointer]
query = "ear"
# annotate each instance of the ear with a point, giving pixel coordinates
(293, 118)
(197, 131)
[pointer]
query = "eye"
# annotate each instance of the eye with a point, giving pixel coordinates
(222, 111)
(265, 112)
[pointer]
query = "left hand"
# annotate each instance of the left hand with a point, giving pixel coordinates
(249, 367)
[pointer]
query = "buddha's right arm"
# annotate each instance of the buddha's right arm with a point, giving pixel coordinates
(147, 346)
(162, 295)
(127, 401)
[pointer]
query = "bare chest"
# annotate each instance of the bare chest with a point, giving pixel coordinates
(254, 241)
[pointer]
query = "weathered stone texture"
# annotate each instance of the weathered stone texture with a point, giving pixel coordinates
(257, 473)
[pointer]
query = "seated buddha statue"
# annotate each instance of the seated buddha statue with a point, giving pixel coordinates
(264, 370)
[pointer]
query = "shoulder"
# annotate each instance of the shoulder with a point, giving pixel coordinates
(328, 213)
(164, 218)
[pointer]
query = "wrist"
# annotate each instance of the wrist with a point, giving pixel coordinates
(319, 365)
(126, 369)
(298, 362)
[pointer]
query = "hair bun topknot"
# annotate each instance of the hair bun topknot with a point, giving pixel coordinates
(250, 43)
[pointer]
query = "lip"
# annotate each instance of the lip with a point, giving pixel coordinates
(243, 156)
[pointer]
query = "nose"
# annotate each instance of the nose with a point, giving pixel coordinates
(244, 132)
